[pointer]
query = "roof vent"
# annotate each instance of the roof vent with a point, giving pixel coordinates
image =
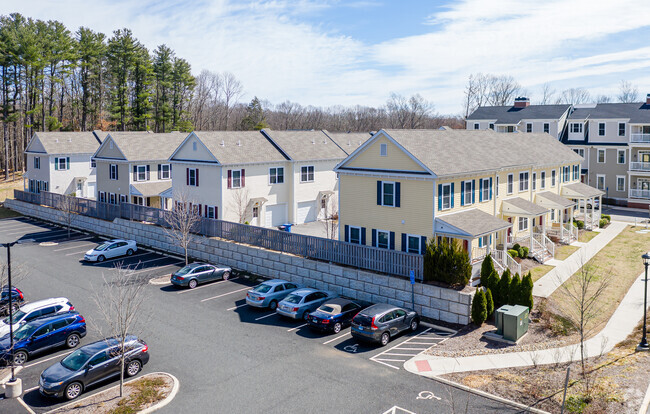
(313, 141)
(56, 140)
(349, 143)
(239, 142)
(69, 139)
(223, 143)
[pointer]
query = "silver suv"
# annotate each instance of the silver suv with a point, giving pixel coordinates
(381, 322)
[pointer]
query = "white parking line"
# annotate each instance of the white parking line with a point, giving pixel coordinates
(209, 284)
(42, 231)
(394, 353)
(154, 268)
(391, 360)
(30, 389)
(383, 363)
(12, 227)
(120, 258)
(235, 307)
(75, 253)
(297, 327)
(399, 348)
(338, 337)
(74, 247)
(265, 316)
(73, 237)
(27, 407)
(48, 359)
(225, 294)
(152, 260)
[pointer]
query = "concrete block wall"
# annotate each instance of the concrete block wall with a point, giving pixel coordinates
(431, 301)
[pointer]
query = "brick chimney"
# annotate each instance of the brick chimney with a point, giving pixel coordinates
(522, 102)
(647, 99)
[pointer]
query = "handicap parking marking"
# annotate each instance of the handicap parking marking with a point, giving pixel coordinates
(409, 348)
(227, 293)
(207, 285)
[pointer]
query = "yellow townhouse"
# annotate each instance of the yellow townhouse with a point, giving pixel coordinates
(486, 190)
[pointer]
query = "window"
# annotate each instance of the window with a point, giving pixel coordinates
(383, 150)
(165, 172)
(492, 127)
(111, 198)
(510, 183)
(529, 127)
(211, 212)
(467, 193)
(62, 163)
(534, 184)
(383, 239)
(102, 197)
(141, 173)
(483, 241)
(620, 183)
(497, 186)
(553, 174)
(485, 189)
(138, 200)
(576, 172)
(192, 177)
(387, 194)
(307, 174)
(256, 212)
(112, 171)
(601, 156)
(547, 127)
(276, 175)
(98, 359)
(620, 156)
(600, 182)
(601, 129)
(122, 198)
(576, 127)
(45, 186)
(542, 180)
(523, 181)
(523, 223)
(510, 128)
(446, 196)
(621, 129)
(579, 151)
(194, 146)
(93, 163)
(37, 163)
(565, 175)
(355, 235)
(477, 125)
(413, 244)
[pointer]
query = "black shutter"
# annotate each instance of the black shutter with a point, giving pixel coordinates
(374, 237)
(347, 233)
(378, 193)
(159, 171)
(398, 194)
(403, 242)
(148, 172)
(423, 244)
(363, 236)
(392, 241)
(135, 173)
(117, 171)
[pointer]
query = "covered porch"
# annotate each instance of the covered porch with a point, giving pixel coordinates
(560, 223)
(589, 200)
(149, 194)
(530, 229)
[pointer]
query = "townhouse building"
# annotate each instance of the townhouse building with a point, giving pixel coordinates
(60, 162)
(132, 167)
(265, 178)
(484, 189)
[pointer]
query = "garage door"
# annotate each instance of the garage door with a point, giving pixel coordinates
(306, 212)
(276, 214)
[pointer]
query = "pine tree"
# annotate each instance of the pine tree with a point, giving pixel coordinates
(91, 50)
(162, 69)
(182, 86)
(514, 290)
(527, 291)
(255, 118)
(479, 308)
(122, 49)
(501, 292)
(487, 267)
(489, 301)
(142, 78)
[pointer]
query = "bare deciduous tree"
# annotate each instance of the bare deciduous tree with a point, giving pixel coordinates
(239, 204)
(627, 93)
(119, 301)
(182, 220)
(547, 94)
(603, 99)
(574, 96)
(330, 217)
(66, 204)
(486, 89)
(232, 91)
(503, 90)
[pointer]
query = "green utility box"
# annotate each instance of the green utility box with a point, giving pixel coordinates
(511, 321)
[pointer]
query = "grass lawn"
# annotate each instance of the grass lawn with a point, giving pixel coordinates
(539, 271)
(564, 251)
(6, 213)
(586, 236)
(621, 259)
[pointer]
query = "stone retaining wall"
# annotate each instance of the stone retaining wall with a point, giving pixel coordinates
(431, 301)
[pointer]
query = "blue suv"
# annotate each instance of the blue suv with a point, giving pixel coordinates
(44, 334)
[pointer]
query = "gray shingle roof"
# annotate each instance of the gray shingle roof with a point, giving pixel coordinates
(518, 206)
(349, 141)
(69, 142)
(458, 151)
(638, 112)
(152, 188)
(147, 146)
(306, 145)
(474, 222)
(581, 189)
(239, 147)
(512, 115)
(551, 198)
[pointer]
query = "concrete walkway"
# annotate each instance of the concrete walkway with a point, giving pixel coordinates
(628, 314)
(548, 283)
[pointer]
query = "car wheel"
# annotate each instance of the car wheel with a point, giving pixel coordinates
(133, 368)
(273, 305)
(337, 327)
(101, 258)
(305, 316)
(73, 390)
(20, 357)
(192, 284)
(385, 338)
(414, 325)
(226, 275)
(129, 252)
(72, 340)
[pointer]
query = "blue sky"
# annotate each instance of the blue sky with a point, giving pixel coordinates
(356, 52)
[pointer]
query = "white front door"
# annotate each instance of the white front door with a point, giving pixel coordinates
(275, 215)
(306, 212)
(80, 189)
(91, 190)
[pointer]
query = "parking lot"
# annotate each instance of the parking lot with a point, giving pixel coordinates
(229, 357)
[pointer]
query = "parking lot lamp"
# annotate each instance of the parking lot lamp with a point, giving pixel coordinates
(643, 346)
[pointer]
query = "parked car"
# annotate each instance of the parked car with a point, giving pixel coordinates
(195, 273)
(44, 334)
(111, 249)
(334, 314)
(17, 299)
(299, 303)
(269, 293)
(381, 322)
(33, 310)
(90, 364)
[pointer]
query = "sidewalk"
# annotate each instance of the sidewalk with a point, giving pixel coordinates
(621, 324)
(548, 283)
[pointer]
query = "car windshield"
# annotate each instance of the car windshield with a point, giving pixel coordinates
(24, 332)
(75, 360)
(262, 288)
(102, 247)
(185, 270)
(293, 298)
(18, 315)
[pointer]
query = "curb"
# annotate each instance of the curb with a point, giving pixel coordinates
(441, 328)
(646, 402)
(165, 282)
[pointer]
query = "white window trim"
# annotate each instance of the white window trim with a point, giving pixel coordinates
(617, 178)
(604, 161)
(521, 182)
(553, 178)
(65, 164)
(496, 187)
(110, 174)
(441, 195)
(232, 178)
(529, 124)
(533, 182)
(276, 175)
(471, 193)
(394, 195)
(383, 150)
(419, 242)
(137, 172)
(477, 125)
(618, 156)
(547, 128)
(377, 239)
(189, 177)
(485, 189)
(542, 180)
(525, 220)
(579, 124)
(313, 174)
(604, 124)
(37, 163)
(162, 171)
(350, 228)
(509, 181)
(624, 129)
(604, 181)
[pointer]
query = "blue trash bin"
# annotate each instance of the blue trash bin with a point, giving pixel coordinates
(285, 227)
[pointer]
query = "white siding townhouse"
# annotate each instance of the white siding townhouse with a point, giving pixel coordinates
(132, 167)
(60, 162)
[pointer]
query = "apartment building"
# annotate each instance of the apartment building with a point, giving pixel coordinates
(60, 162)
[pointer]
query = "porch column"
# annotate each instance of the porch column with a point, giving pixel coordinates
(469, 249)
(562, 224)
(544, 224)
(530, 235)
(489, 245)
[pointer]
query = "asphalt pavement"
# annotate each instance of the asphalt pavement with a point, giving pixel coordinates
(228, 357)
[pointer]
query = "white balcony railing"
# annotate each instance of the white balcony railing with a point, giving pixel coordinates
(640, 138)
(640, 166)
(644, 194)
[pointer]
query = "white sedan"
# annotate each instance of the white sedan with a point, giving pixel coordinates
(111, 249)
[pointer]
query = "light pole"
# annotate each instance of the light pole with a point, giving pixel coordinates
(643, 345)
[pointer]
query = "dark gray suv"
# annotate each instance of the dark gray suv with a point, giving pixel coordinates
(381, 322)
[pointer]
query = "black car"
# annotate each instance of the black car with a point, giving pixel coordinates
(91, 364)
(381, 322)
(334, 315)
(17, 299)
